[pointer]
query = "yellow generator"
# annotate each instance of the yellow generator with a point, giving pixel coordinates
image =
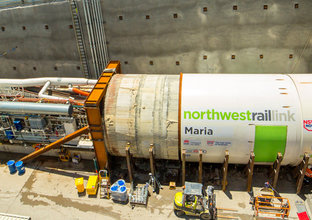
(79, 185)
(92, 185)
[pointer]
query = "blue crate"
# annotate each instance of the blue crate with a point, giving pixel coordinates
(18, 124)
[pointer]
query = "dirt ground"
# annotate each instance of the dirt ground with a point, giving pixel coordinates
(47, 191)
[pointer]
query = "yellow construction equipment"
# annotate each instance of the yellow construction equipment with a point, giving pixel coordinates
(92, 185)
(64, 154)
(192, 202)
(79, 185)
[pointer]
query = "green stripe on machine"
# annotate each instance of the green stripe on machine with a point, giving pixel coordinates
(269, 140)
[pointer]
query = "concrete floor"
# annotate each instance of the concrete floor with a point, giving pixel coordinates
(47, 191)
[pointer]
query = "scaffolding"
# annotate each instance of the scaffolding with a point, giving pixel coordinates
(271, 205)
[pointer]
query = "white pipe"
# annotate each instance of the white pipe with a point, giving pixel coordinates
(36, 108)
(103, 37)
(99, 70)
(98, 37)
(44, 89)
(91, 37)
(54, 81)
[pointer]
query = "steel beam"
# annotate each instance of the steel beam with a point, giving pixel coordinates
(225, 170)
(250, 168)
(55, 144)
(95, 112)
(276, 168)
(200, 167)
(151, 154)
(183, 167)
(302, 171)
(129, 165)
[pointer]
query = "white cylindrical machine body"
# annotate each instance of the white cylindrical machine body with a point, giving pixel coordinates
(303, 84)
(241, 113)
(142, 110)
(212, 113)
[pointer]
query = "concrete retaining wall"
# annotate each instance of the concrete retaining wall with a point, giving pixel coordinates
(217, 36)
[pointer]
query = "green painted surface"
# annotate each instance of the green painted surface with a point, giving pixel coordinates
(269, 140)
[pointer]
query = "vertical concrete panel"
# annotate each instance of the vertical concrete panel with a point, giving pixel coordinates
(276, 32)
(175, 35)
(39, 41)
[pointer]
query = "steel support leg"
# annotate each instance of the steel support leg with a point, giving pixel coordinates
(129, 160)
(276, 168)
(151, 156)
(302, 171)
(225, 170)
(200, 167)
(250, 168)
(183, 167)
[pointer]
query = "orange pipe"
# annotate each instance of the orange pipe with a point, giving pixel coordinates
(80, 92)
(44, 100)
(55, 144)
(60, 101)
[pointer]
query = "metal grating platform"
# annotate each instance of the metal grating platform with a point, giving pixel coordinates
(6, 216)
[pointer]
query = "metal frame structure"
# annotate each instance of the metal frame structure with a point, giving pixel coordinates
(266, 205)
(94, 108)
(96, 34)
(55, 144)
(81, 46)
